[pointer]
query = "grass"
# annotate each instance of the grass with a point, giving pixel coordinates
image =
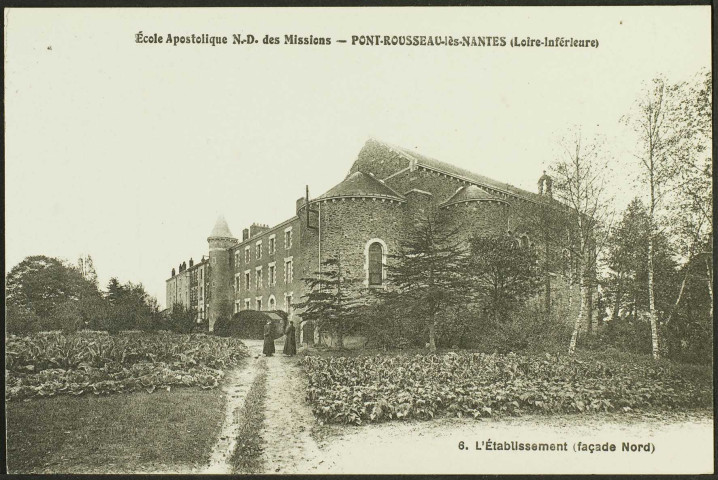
(247, 456)
(114, 434)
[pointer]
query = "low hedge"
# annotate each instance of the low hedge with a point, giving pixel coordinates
(249, 324)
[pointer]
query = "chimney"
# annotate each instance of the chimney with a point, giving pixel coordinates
(173, 272)
(257, 228)
(191, 263)
(245, 234)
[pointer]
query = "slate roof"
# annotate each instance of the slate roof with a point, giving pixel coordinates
(448, 168)
(360, 184)
(221, 229)
(471, 193)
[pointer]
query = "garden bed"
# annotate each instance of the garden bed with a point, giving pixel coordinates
(378, 388)
(52, 363)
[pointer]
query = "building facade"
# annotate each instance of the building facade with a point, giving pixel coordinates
(363, 219)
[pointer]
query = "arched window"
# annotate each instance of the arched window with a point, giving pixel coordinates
(272, 303)
(376, 264)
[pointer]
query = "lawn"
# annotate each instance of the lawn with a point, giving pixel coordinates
(136, 432)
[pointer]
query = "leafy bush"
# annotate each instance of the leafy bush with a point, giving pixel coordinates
(249, 324)
(53, 363)
(380, 388)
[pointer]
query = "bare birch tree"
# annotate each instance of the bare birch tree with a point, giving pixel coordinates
(580, 182)
(652, 122)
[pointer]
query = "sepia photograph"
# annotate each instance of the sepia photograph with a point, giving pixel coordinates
(359, 240)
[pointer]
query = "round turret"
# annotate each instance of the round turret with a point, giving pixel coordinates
(220, 241)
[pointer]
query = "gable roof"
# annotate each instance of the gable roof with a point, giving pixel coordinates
(360, 184)
(471, 193)
(447, 168)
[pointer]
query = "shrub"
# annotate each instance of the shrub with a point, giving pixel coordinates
(249, 324)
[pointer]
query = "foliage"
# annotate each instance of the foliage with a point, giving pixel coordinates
(427, 275)
(182, 319)
(378, 388)
(504, 274)
(249, 324)
(39, 287)
(130, 307)
(53, 363)
(332, 299)
(627, 254)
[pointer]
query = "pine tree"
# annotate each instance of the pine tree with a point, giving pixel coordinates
(332, 299)
(427, 276)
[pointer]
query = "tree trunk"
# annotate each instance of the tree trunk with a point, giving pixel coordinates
(589, 308)
(710, 283)
(617, 304)
(680, 294)
(547, 298)
(432, 336)
(652, 301)
(577, 323)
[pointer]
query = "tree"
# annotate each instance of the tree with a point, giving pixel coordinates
(628, 248)
(332, 299)
(40, 285)
(131, 307)
(427, 276)
(87, 268)
(504, 274)
(182, 319)
(580, 179)
(691, 182)
(652, 121)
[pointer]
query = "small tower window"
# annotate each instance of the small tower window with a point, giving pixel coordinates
(376, 264)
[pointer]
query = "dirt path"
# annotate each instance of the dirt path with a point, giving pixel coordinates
(235, 388)
(288, 443)
(294, 443)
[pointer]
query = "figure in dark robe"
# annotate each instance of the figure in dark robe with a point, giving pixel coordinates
(290, 342)
(268, 349)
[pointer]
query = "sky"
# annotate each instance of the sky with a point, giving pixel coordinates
(128, 152)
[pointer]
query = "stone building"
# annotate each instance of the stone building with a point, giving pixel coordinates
(363, 218)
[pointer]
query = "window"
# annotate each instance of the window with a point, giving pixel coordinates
(236, 306)
(288, 270)
(247, 279)
(236, 258)
(259, 303)
(236, 282)
(214, 260)
(246, 253)
(272, 274)
(288, 238)
(247, 303)
(375, 264)
(258, 252)
(272, 303)
(272, 244)
(259, 277)
(288, 304)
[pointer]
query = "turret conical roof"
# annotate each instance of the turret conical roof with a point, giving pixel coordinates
(221, 229)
